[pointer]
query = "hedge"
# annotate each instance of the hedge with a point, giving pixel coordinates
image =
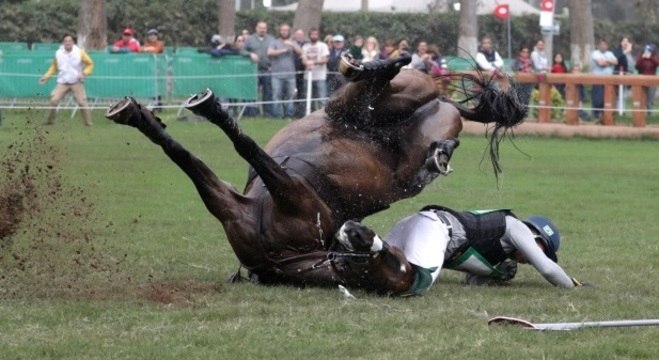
(191, 23)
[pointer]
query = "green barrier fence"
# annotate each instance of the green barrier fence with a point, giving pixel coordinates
(19, 75)
(46, 47)
(229, 77)
(10, 47)
(118, 75)
(137, 75)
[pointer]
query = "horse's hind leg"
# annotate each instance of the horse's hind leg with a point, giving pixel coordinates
(220, 198)
(281, 186)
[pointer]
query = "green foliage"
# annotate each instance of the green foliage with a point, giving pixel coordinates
(191, 23)
(557, 103)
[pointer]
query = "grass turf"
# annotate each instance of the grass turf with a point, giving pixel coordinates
(160, 292)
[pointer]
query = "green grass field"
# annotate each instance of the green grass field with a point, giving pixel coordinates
(138, 269)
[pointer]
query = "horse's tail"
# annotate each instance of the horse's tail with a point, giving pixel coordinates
(493, 105)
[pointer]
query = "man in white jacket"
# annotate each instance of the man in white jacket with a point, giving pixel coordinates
(72, 65)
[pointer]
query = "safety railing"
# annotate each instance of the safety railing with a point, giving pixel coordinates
(138, 75)
(611, 83)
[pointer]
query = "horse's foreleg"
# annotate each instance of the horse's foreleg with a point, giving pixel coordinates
(219, 197)
(280, 185)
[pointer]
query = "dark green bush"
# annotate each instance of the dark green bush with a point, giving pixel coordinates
(191, 23)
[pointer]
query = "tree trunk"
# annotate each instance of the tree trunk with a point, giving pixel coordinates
(581, 32)
(468, 35)
(227, 19)
(92, 25)
(308, 14)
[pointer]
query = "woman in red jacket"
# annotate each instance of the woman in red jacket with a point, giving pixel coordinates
(559, 67)
(646, 64)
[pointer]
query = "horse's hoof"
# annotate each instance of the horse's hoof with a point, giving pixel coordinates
(203, 104)
(438, 163)
(123, 112)
(235, 277)
(349, 67)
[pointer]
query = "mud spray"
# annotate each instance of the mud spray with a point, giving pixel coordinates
(48, 242)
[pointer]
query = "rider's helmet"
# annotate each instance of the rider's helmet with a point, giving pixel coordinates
(547, 232)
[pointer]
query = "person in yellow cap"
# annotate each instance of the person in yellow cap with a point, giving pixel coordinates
(72, 65)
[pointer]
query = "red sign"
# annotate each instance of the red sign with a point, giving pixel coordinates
(502, 11)
(547, 5)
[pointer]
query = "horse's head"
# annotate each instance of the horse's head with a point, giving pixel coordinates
(356, 237)
(387, 270)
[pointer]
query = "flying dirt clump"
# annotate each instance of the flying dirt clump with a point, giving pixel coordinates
(48, 241)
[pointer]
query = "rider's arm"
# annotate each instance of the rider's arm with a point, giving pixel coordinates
(523, 240)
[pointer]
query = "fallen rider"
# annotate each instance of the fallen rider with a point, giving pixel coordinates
(486, 244)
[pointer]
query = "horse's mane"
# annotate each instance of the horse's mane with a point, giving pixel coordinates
(482, 99)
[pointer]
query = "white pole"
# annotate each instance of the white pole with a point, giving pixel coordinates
(510, 46)
(505, 320)
(621, 96)
(309, 92)
(596, 324)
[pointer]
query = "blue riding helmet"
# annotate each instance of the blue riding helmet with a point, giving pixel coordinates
(548, 233)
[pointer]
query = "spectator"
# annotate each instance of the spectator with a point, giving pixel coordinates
(523, 64)
(421, 59)
(581, 90)
(646, 64)
(334, 78)
(329, 38)
(558, 67)
(314, 57)
(403, 47)
(371, 49)
(258, 43)
(623, 54)
(239, 47)
(72, 65)
(299, 38)
(127, 43)
(387, 49)
(488, 59)
(283, 52)
(603, 63)
(153, 44)
(219, 48)
(440, 67)
(356, 47)
(539, 58)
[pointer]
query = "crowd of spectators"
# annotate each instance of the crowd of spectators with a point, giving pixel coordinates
(285, 63)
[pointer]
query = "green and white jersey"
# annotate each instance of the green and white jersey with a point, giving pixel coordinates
(423, 238)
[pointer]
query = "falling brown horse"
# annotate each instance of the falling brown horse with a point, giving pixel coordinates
(381, 138)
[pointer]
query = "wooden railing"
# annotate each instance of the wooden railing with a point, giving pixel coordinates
(638, 84)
